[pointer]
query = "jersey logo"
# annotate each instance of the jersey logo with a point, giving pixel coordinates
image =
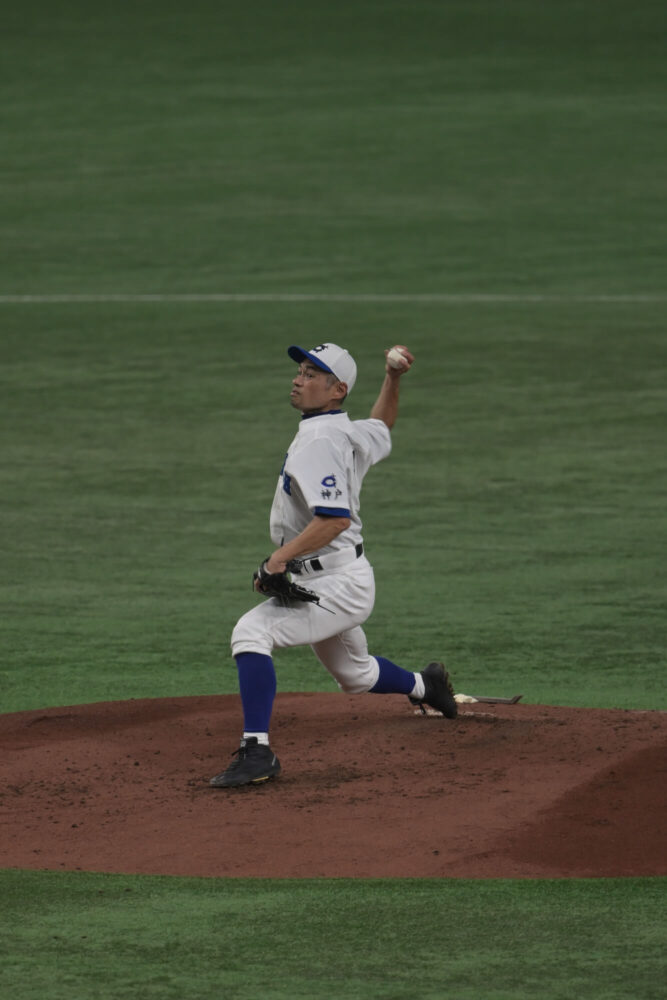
(330, 490)
(287, 479)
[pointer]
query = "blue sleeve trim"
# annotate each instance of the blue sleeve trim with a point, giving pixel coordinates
(332, 511)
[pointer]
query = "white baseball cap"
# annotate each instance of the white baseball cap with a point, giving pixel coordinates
(330, 358)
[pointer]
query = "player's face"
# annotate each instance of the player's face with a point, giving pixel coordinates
(313, 390)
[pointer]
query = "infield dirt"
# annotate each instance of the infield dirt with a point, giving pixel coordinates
(368, 789)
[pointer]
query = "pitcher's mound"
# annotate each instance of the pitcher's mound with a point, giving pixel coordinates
(368, 789)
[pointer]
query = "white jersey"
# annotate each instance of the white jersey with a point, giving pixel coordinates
(322, 474)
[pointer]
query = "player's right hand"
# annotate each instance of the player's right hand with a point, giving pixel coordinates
(398, 360)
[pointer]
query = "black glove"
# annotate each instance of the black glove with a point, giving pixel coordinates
(280, 585)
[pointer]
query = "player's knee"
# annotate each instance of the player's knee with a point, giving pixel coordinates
(248, 638)
(354, 686)
(362, 679)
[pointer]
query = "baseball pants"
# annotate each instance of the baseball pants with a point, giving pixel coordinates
(337, 639)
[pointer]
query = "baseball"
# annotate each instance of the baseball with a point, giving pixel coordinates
(396, 358)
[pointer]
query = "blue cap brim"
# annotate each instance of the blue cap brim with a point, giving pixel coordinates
(298, 354)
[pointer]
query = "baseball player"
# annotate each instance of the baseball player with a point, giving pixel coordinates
(322, 582)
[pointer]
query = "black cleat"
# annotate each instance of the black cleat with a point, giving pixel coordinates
(439, 693)
(254, 764)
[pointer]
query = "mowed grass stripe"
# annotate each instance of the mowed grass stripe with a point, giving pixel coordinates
(370, 297)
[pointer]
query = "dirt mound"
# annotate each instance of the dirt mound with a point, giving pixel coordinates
(368, 789)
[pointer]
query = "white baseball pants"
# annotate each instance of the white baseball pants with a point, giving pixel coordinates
(337, 639)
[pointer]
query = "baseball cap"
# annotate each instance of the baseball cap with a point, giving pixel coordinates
(330, 358)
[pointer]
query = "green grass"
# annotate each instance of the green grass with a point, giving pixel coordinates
(364, 145)
(518, 529)
(104, 937)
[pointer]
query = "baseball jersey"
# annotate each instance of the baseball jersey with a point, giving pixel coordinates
(323, 472)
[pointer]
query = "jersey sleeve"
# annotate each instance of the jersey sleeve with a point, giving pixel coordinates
(374, 437)
(321, 473)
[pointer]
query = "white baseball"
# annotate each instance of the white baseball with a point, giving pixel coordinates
(396, 358)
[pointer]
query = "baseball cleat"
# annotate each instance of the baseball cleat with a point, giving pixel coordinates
(254, 764)
(439, 693)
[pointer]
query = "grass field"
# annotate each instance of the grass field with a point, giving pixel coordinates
(378, 146)
(505, 159)
(110, 936)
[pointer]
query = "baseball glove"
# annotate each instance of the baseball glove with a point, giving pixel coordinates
(281, 585)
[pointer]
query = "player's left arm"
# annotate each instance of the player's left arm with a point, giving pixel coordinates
(319, 532)
(385, 407)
